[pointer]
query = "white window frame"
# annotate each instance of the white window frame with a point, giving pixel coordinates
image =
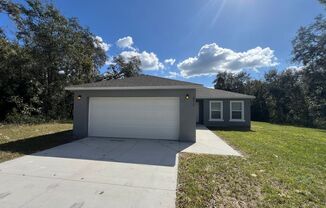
(242, 111)
(210, 110)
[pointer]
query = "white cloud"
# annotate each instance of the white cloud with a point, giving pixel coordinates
(212, 58)
(125, 42)
(109, 61)
(98, 42)
(149, 61)
(172, 75)
(169, 61)
(295, 68)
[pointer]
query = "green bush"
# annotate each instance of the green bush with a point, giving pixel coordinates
(17, 118)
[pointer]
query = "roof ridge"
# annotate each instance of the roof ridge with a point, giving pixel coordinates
(228, 92)
(164, 78)
(148, 75)
(142, 81)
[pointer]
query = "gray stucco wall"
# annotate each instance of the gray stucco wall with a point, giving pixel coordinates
(187, 130)
(226, 123)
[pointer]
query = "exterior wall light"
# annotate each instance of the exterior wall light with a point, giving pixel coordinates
(187, 96)
(78, 97)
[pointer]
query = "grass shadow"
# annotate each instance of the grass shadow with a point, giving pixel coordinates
(38, 143)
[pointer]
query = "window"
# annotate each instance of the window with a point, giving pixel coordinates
(236, 111)
(216, 110)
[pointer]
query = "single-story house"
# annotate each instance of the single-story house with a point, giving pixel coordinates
(152, 107)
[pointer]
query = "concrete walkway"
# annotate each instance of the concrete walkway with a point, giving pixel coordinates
(209, 143)
(102, 172)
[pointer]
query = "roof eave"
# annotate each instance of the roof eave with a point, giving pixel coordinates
(72, 88)
(228, 98)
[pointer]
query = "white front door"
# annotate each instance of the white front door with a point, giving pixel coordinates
(134, 117)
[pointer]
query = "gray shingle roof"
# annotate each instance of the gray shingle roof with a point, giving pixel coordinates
(207, 93)
(139, 81)
(152, 82)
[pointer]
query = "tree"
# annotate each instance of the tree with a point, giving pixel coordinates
(60, 52)
(309, 49)
(259, 109)
(234, 82)
(121, 68)
(9, 7)
(279, 96)
(16, 84)
(284, 97)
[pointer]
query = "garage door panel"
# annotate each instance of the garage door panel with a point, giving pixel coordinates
(137, 117)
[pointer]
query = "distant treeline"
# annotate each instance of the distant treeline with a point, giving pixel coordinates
(296, 95)
(49, 51)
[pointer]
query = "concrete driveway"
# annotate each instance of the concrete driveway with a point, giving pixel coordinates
(93, 172)
(101, 172)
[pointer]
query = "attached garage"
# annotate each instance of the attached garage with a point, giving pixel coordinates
(141, 107)
(134, 117)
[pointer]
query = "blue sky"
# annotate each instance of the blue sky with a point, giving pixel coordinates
(233, 35)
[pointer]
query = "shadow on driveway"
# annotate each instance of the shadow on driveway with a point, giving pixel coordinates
(138, 151)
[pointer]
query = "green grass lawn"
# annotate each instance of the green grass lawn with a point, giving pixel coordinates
(18, 140)
(283, 166)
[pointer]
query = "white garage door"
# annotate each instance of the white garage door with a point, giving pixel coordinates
(134, 117)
